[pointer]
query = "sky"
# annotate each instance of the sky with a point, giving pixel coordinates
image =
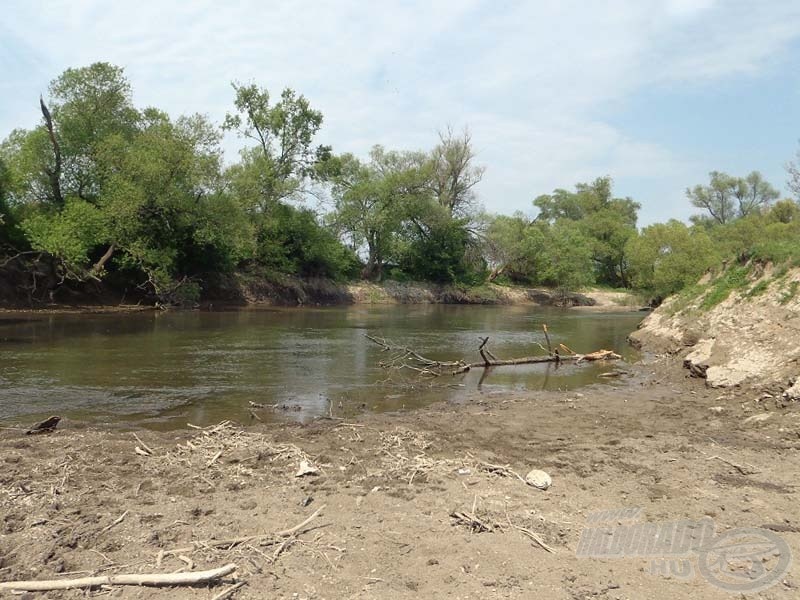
(655, 94)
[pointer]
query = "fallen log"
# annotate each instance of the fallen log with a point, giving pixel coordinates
(408, 358)
(148, 579)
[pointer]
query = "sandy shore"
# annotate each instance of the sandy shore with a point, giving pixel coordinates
(86, 501)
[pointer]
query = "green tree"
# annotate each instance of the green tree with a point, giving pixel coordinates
(373, 200)
(606, 221)
(292, 241)
(727, 198)
(515, 247)
(567, 258)
(784, 211)
(666, 257)
(284, 156)
(436, 247)
(162, 200)
(10, 236)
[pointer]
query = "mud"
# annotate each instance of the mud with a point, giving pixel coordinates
(658, 441)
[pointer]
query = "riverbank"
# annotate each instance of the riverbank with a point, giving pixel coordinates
(739, 328)
(242, 291)
(85, 501)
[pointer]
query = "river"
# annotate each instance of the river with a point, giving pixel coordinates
(162, 370)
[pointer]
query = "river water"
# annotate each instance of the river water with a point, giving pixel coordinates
(162, 370)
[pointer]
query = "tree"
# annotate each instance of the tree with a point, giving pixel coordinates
(754, 195)
(515, 246)
(454, 174)
(89, 105)
(785, 211)
(567, 257)
(283, 156)
(373, 200)
(726, 198)
(606, 221)
(716, 198)
(160, 198)
(793, 169)
(10, 236)
(666, 257)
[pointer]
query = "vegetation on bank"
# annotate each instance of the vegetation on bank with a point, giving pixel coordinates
(104, 191)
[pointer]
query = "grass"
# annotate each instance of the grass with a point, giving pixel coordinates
(790, 293)
(735, 278)
(758, 288)
(685, 297)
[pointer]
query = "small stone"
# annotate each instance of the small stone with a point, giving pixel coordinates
(538, 479)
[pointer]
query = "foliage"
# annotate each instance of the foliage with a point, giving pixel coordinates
(567, 259)
(606, 221)
(289, 240)
(727, 198)
(106, 189)
(454, 174)
(515, 247)
(666, 257)
(733, 278)
(283, 156)
(373, 202)
(69, 235)
(10, 235)
(438, 252)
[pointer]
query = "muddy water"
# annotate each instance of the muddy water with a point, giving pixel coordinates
(163, 370)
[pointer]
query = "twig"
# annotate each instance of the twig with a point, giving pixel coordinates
(214, 458)
(297, 528)
(223, 595)
(145, 447)
(148, 579)
(534, 536)
(243, 540)
(752, 470)
(116, 522)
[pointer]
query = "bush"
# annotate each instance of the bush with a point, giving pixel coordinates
(290, 240)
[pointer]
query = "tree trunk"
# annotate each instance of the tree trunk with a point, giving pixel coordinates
(55, 174)
(496, 273)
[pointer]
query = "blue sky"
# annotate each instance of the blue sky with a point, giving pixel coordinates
(654, 93)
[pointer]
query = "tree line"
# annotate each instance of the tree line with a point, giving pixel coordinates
(101, 190)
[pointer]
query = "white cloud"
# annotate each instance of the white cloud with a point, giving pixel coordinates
(532, 80)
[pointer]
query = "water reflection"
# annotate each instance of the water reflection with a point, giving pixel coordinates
(163, 369)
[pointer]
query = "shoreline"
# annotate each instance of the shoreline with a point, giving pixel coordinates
(369, 294)
(390, 483)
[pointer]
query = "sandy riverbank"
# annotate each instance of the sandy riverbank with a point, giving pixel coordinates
(389, 484)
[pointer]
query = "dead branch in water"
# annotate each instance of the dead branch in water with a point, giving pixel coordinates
(402, 357)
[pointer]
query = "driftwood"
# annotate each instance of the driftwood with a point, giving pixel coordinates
(149, 579)
(404, 357)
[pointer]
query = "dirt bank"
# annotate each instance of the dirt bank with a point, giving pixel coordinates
(86, 501)
(291, 291)
(741, 328)
(245, 289)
